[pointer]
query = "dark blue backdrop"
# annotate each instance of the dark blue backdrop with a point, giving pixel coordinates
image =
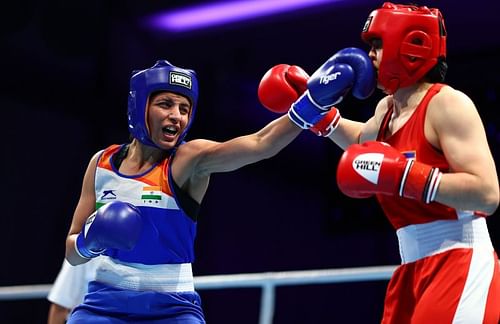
(64, 70)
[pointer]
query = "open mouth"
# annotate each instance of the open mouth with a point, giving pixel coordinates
(170, 130)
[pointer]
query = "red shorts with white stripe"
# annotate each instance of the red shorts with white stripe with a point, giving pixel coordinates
(455, 286)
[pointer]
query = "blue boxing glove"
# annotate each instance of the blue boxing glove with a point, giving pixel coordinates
(115, 225)
(349, 69)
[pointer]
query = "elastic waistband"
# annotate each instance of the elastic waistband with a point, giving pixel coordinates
(422, 240)
(141, 277)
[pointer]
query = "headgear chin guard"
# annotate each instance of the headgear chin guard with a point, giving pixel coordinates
(413, 38)
(163, 76)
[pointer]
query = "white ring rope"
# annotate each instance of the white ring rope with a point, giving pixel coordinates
(304, 277)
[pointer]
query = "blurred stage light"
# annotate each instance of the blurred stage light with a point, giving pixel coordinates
(221, 13)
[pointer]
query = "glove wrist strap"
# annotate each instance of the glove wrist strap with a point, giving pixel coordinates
(420, 181)
(305, 112)
(328, 124)
(83, 251)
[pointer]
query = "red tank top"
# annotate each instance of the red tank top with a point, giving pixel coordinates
(410, 140)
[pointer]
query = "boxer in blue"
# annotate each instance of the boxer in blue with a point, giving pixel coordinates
(139, 201)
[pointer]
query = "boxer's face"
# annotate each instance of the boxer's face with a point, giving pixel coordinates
(375, 53)
(168, 115)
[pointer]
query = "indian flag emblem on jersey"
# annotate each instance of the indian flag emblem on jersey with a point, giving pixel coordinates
(151, 194)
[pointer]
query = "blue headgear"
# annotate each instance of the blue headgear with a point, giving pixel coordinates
(163, 76)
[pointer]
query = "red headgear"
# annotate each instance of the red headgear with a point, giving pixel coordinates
(412, 40)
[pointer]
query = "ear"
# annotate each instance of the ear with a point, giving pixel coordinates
(415, 50)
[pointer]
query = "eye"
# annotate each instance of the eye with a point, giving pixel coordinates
(164, 103)
(184, 109)
(376, 43)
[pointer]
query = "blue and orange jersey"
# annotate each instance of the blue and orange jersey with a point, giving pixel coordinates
(168, 232)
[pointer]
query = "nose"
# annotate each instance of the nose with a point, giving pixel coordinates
(372, 54)
(174, 113)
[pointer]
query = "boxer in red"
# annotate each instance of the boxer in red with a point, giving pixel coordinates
(425, 156)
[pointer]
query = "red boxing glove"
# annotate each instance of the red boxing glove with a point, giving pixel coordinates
(376, 167)
(281, 86)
